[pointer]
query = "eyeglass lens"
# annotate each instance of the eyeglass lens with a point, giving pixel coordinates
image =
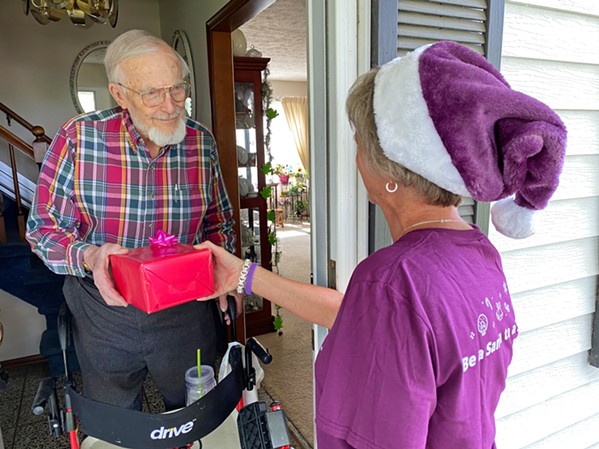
(154, 97)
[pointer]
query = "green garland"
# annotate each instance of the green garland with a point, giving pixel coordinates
(266, 192)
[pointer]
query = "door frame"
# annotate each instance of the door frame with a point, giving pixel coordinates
(222, 98)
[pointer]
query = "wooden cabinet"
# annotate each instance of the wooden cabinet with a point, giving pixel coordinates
(253, 208)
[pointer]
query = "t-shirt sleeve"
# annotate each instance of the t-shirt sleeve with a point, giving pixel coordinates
(377, 383)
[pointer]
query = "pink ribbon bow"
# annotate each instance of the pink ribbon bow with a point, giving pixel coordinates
(163, 240)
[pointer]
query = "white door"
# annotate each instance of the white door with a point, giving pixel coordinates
(338, 50)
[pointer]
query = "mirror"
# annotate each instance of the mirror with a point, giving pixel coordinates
(181, 46)
(88, 81)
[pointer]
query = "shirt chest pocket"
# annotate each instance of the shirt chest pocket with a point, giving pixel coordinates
(187, 206)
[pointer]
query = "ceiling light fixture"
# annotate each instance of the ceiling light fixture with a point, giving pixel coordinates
(82, 13)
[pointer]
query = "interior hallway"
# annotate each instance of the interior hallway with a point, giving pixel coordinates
(288, 379)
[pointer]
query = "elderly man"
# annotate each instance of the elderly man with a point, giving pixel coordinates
(110, 180)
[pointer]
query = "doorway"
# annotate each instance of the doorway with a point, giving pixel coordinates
(289, 378)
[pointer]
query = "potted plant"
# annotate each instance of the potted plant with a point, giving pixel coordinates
(301, 207)
(282, 172)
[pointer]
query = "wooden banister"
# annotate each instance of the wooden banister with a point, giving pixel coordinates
(16, 142)
(12, 115)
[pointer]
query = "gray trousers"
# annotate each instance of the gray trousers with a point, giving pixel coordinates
(118, 346)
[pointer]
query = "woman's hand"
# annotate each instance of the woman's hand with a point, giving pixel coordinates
(227, 268)
(311, 302)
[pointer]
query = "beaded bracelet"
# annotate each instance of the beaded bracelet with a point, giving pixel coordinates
(243, 276)
(249, 279)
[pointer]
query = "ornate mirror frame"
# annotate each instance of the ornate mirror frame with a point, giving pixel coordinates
(181, 46)
(75, 70)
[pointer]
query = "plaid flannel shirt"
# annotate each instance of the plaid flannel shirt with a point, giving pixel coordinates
(98, 184)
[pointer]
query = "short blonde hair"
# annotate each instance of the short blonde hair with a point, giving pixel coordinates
(360, 111)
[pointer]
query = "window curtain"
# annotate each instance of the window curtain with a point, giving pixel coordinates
(296, 112)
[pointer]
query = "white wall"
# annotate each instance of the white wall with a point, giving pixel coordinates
(551, 51)
(190, 16)
(23, 327)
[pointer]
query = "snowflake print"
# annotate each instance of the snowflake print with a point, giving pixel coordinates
(499, 312)
(482, 324)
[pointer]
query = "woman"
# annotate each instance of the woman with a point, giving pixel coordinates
(420, 342)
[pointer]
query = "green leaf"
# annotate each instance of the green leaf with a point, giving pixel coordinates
(272, 238)
(271, 113)
(266, 192)
(270, 215)
(278, 323)
(267, 168)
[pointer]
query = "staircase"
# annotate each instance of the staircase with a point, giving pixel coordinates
(23, 274)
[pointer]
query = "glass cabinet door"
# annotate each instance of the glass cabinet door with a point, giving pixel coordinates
(253, 208)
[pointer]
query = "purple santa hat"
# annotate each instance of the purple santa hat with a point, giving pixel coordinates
(444, 112)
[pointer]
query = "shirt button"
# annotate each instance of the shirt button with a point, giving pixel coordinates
(151, 196)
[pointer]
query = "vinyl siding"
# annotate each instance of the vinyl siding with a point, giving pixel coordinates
(551, 51)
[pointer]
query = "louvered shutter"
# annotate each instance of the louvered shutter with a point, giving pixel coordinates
(422, 22)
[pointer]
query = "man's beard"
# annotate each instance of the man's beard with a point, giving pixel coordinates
(155, 135)
(163, 139)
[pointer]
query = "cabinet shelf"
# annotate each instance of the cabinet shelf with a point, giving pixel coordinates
(251, 202)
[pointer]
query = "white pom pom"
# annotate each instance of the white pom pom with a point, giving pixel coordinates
(512, 220)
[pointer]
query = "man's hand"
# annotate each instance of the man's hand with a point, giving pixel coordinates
(99, 262)
(224, 306)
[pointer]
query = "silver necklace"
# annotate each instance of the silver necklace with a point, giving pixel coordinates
(443, 220)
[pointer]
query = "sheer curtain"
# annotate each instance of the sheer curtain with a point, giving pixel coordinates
(296, 112)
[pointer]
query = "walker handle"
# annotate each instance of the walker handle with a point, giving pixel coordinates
(262, 353)
(64, 326)
(44, 391)
(232, 315)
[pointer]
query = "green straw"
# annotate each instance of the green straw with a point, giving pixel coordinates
(199, 372)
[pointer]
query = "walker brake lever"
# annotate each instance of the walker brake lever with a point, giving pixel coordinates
(232, 310)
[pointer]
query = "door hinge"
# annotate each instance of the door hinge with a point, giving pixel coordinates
(332, 277)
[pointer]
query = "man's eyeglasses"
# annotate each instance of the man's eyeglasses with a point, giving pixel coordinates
(154, 97)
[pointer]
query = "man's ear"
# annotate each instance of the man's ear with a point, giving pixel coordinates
(117, 94)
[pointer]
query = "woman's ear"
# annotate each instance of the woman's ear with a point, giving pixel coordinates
(117, 93)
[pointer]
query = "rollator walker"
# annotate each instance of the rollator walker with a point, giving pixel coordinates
(259, 426)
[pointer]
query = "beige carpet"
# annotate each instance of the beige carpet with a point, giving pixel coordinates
(288, 379)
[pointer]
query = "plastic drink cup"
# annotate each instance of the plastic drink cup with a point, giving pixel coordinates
(196, 387)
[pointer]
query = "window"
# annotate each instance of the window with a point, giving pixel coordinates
(87, 99)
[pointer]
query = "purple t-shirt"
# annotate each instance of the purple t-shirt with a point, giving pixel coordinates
(418, 355)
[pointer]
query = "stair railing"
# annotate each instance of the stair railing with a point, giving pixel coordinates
(35, 151)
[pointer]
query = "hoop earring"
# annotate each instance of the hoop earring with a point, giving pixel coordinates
(391, 190)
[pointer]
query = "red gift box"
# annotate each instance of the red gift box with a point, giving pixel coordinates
(163, 275)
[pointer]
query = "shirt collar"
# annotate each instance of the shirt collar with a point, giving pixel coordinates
(132, 134)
